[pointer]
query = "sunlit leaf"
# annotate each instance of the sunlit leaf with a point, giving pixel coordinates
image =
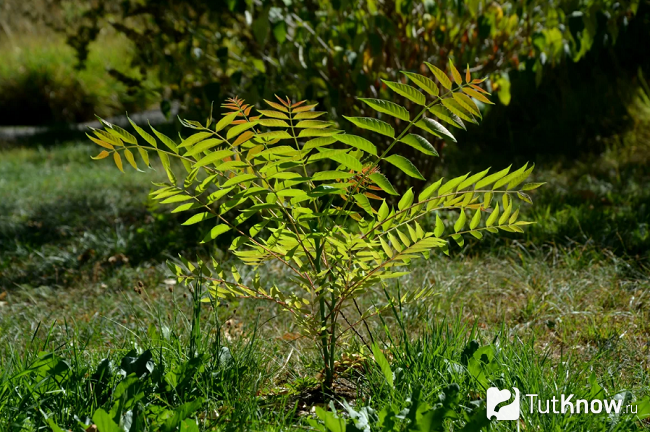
(420, 143)
(405, 165)
(410, 93)
(373, 124)
(442, 77)
(358, 142)
(387, 107)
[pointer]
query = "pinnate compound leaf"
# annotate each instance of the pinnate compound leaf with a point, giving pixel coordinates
(387, 107)
(420, 143)
(405, 166)
(410, 93)
(373, 124)
(358, 142)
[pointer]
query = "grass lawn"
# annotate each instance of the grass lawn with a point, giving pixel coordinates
(85, 300)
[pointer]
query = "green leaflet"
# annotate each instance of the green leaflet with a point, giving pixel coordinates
(203, 146)
(492, 178)
(341, 157)
(456, 108)
(410, 93)
(383, 211)
(331, 175)
(307, 133)
(199, 218)
(313, 124)
(493, 217)
(236, 130)
(473, 179)
(455, 73)
(423, 82)
(440, 227)
(426, 193)
(406, 200)
(476, 219)
(193, 139)
(242, 178)
(509, 177)
(380, 180)
(320, 142)
(460, 223)
(405, 166)
(364, 203)
(387, 107)
(215, 232)
(213, 157)
(358, 142)
(225, 121)
(120, 133)
(531, 186)
(274, 114)
(435, 128)
(148, 138)
(451, 184)
(467, 103)
(290, 192)
(273, 123)
(271, 135)
(420, 143)
(165, 140)
(442, 77)
(373, 124)
(383, 364)
(445, 115)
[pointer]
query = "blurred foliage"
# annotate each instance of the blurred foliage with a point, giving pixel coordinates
(325, 51)
(39, 84)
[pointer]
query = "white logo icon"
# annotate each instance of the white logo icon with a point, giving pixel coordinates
(507, 412)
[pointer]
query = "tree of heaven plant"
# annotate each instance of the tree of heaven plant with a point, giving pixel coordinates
(331, 229)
